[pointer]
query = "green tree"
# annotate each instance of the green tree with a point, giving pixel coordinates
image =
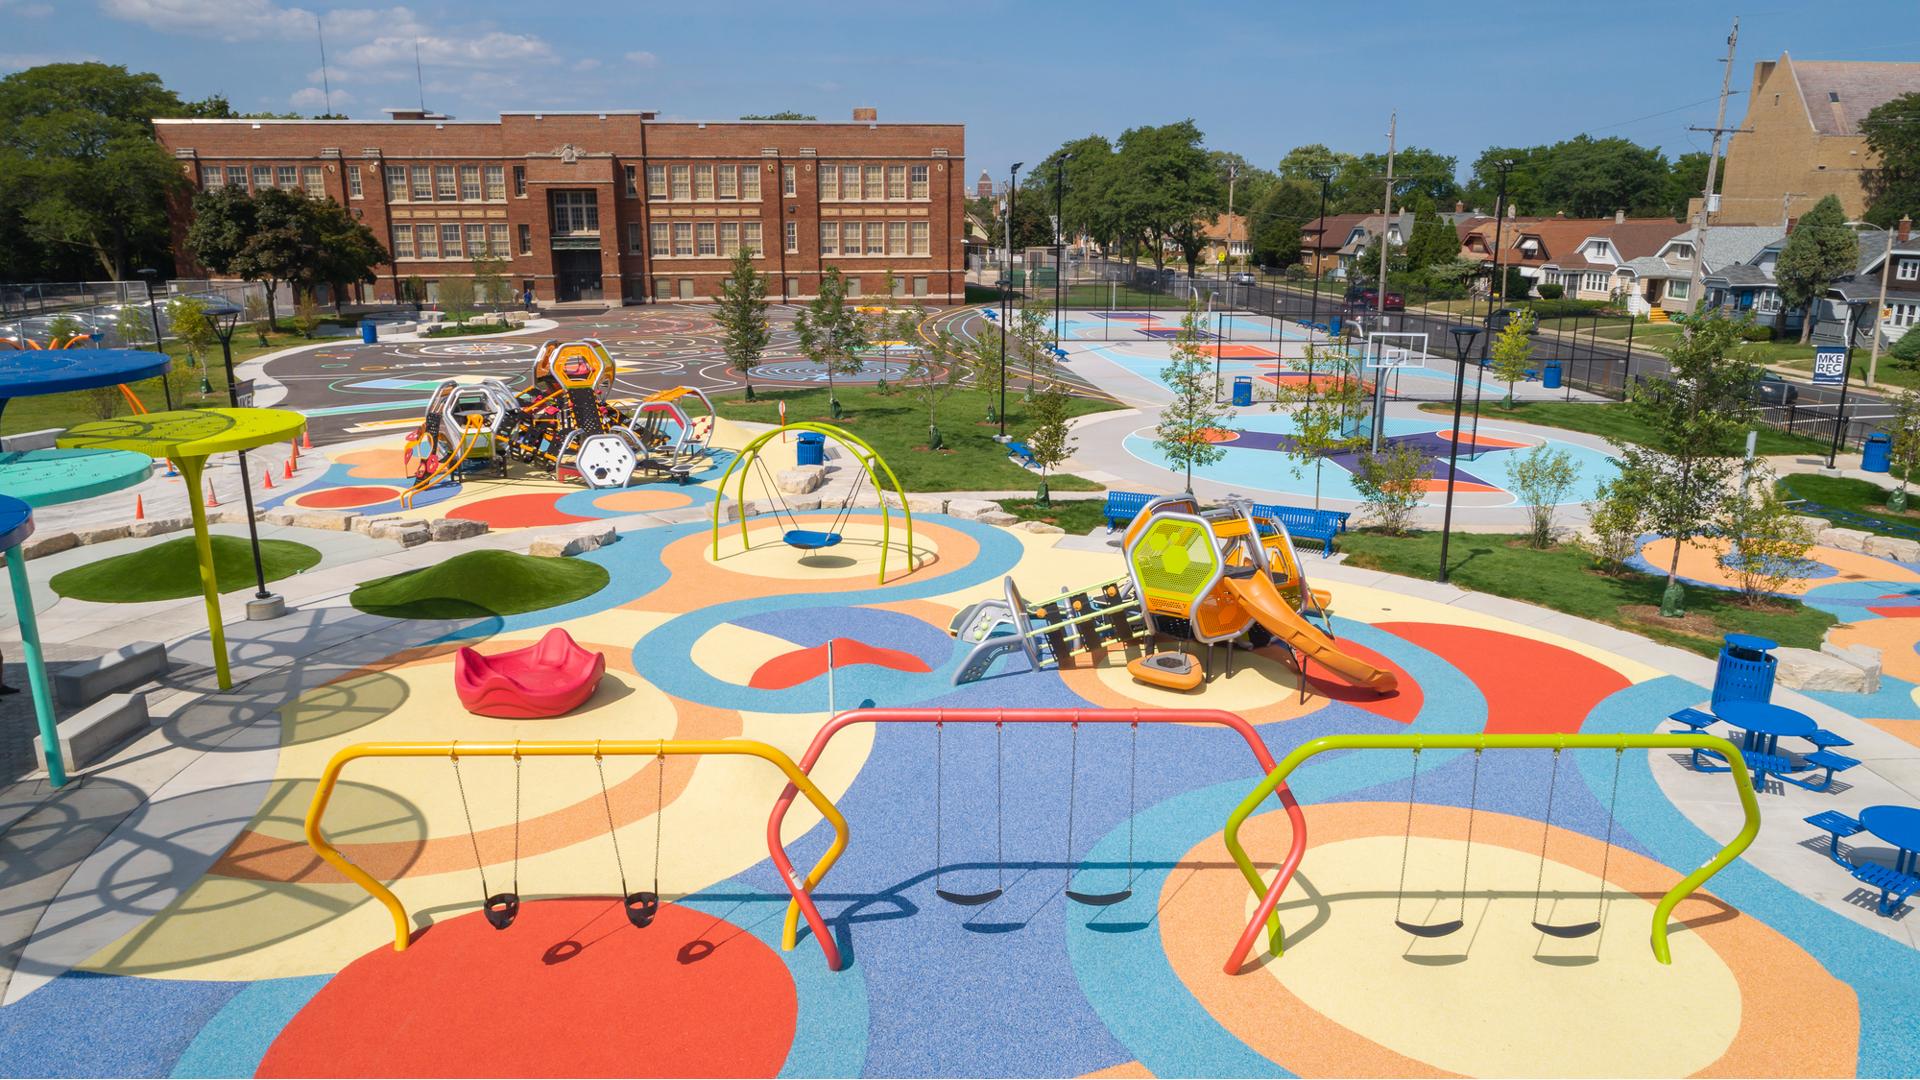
(1050, 441)
(1305, 163)
(1689, 175)
(1541, 479)
(456, 299)
(832, 333)
(1512, 351)
(1163, 181)
(345, 252)
(256, 237)
(1391, 484)
(1615, 517)
(83, 185)
(62, 329)
(489, 278)
(306, 310)
(1184, 432)
(935, 369)
(134, 325)
(1697, 416)
(1318, 407)
(1892, 129)
(1905, 429)
(1434, 242)
(1589, 177)
(1274, 225)
(1766, 537)
(1422, 180)
(1820, 249)
(1523, 179)
(742, 315)
(785, 115)
(187, 318)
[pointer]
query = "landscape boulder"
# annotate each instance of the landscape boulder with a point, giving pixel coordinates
(971, 509)
(801, 480)
(1806, 669)
(1893, 547)
(573, 542)
(456, 528)
(154, 526)
(1864, 657)
(1844, 539)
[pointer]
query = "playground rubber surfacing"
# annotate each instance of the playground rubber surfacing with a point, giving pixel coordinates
(272, 963)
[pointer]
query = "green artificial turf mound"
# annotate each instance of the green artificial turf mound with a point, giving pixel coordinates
(169, 570)
(481, 583)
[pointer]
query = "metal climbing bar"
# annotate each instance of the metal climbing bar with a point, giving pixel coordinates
(797, 781)
(1277, 777)
(867, 456)
(789, 935)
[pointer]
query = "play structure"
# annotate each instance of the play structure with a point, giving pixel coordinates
(1276, 779)
(1228, 576)
(641, 906)
(999, 718)
(563, 424)
(552, 677)
(873, 470)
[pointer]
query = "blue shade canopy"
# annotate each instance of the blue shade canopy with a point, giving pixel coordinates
(16, 522)
(56, 371)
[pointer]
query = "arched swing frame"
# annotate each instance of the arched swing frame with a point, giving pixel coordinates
(1217, 717)
(797, 781)
(865, 454)
(1269, 896)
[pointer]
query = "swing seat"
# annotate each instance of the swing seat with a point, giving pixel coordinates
(551, 678)
(501, 908)
(1168, 670)
(809, 540)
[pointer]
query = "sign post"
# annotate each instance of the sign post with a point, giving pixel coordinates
(1830, 363)
(783, 421)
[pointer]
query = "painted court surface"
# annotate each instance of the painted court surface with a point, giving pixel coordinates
(257, 958)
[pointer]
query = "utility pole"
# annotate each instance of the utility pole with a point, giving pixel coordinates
(1696, 281)
(1879, 309)
(1380, 294)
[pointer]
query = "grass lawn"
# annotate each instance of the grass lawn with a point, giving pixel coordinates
(475, 584)
(896, 425)
(66, 410)
(1562, 578)
(1077, 516)
(170, 571)
(1859, 496)
(1617, 422)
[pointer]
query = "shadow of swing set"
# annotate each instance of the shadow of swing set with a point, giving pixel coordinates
(641, 906)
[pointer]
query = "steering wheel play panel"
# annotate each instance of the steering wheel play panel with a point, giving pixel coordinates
(188, 437)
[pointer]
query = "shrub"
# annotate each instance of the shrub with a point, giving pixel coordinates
(1541, 478)
(456, 298)
(256, 315)
(62, 329)
(1391, 483)
(1614, 523)
(1551, 290)
(1546, 308)
(1751, 331)
(1907, 349)
(104, 401)
(306, 316)
(1768, 539)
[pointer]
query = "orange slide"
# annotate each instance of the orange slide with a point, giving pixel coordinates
(1257, 594)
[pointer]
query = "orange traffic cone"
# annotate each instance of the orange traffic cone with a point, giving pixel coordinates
(213, 499)
(305, 442)
(267, 474)
(287, 473)
(139, 509)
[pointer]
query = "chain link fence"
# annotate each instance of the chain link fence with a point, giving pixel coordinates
(31, 311)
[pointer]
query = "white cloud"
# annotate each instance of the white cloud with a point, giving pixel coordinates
(23, 61)
(228, 20)
(487, 50)
(641, 58)
(314, 97)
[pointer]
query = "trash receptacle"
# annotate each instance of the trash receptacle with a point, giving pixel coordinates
(369, 333)
(813, 448)
(1550, 375)
(1243, 389)
(1333, 326)
(1746, 670)
(1877, 455)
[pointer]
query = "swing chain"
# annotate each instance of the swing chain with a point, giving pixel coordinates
(939, 771)
(659, 815)
(453, 755)
(1546, 830)
(1606, 856)
(1133, 777)
(1406, 843)
(516, 817)
(999, 812)
(1473, 808)
(1073, 781)
(607, 802)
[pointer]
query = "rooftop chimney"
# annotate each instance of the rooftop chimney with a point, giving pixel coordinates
(1619, 217)
(866, 116)
(1905, 230)
(1512, 212)
(1791, 222)
(1459, 207)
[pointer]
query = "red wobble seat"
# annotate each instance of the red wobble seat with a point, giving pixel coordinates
(551, 678)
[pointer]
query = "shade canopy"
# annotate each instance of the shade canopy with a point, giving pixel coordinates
(16, 522)
(56, 371)
(51, 477)
(186, 433)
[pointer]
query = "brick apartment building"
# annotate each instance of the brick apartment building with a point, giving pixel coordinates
(612, 205)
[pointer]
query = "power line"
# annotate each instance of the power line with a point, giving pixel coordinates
(1664, 112)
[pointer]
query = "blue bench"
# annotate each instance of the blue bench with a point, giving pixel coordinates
(1123, 506)
(1306, 524)
(1823, 759)
(1698, 722)
(1764, 764)
(1840, 826)
(1020, 453)
(1894, 886)
(1827, 740)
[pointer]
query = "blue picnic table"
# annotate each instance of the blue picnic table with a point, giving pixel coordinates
(1899, 826)
(1895, 825)
(1764, 723)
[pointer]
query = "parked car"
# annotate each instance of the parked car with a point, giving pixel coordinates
(1370, 298)
(1774, 390)
(1242, 277)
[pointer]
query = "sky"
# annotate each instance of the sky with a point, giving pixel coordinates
(1258, 77)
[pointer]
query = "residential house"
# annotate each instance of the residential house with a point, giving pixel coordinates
(1613, 258)
(1227, 238)
(1748, 289)
(1330, 244)
(1801, 141)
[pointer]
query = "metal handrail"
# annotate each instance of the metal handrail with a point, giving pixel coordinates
(1270, 897)
(796, 781)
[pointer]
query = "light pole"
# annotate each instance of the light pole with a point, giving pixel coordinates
(264, 604)
(1006, 300)
(1856, 311)
(1462, 345)
(1313, 312)
(147, 275)
(1059, 238)
(1494, 287)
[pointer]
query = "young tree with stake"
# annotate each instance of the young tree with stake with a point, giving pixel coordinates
(1188, 422)
(1319, 406)
(831, 333)
(1513, 351)
(742, 315)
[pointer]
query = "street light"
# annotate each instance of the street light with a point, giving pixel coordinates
(147, 275)
(264, 605)
(1006, 301)
(1462, 345)
(1495, 285)
(1857, 312)
(1059, 237)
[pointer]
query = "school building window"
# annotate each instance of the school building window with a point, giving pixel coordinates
(896, 238)
(750, 183)
(656, 181)
(793, 286)
(450, 242)
(286, 176)
(829, 237)
(575, 212)
(470, 183)
(853, 286)
(850, 181)
(213, 179)
(729, 238)
(657, 237)
(873, 185)
(921, 233)
(477, 240)
(633, 238)
(423, 183)
(682, 182)
(704, 242)
(262, 177)
(520, 181)
(792, 235)
(496, 183)
(703, 181)
(662, 287)
(850, 238)
(727, 181)
(829, 182)
(917, 187)
(354, 190)
(403, 241)
(237, 176)
(633, 181)
(397, 183)
(313, 180)
(446, 187)
(429, 242)
(876, 238)
(526, 239)
(896, 181)
(750, 236)
(919, 286)
(789, 180)
(497, 240)
(683, 238)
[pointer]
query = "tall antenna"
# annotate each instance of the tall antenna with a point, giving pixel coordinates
(419, 79)
(326, 85)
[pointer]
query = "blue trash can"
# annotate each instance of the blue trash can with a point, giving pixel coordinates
(1877, 455)
(813, 448)
(369, 333)
(1333, 326)
(1243, 389)
(1746, 670)
(1550, 375)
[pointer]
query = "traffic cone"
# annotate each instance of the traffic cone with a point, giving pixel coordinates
(213, 499)
(267, 474)
(305, 442)
(171, 471)
(287, 473)
(139, 509)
